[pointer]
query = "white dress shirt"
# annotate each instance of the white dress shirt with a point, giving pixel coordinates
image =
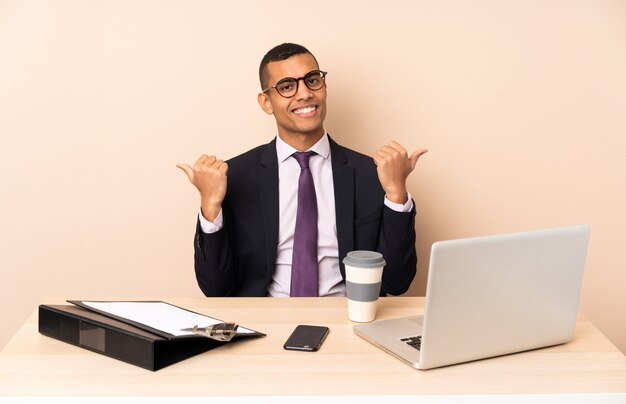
(330, 280)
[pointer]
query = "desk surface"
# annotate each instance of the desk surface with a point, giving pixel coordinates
(32, 364)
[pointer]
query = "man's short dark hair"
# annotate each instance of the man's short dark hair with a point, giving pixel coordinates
(281, 52)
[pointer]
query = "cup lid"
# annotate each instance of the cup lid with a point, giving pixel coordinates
(364, 259)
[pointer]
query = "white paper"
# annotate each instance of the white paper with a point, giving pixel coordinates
(159, 315)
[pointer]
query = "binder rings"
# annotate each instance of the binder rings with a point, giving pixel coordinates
(128, 341)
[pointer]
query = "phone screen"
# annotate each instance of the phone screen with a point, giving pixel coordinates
(306, 338)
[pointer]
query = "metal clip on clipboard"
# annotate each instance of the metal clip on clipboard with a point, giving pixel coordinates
(219, 332)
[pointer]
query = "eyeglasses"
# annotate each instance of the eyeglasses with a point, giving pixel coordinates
(288, 87)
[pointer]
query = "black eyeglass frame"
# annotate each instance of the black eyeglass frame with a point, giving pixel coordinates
(303, 78)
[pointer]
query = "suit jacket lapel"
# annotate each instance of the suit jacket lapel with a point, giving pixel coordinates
(343, 181)
(267, 177)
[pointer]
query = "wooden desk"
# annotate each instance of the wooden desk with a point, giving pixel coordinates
(32, 364)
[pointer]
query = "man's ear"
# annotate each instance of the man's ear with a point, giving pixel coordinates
(265, 103)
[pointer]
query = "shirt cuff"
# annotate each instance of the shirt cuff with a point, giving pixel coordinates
(398, 207)
(211, 227)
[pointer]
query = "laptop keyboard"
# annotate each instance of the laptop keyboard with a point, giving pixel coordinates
(415, 342)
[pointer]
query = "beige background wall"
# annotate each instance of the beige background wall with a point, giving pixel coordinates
(522, 104)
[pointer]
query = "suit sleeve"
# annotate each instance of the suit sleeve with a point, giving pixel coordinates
(216, 269)
(397, 244)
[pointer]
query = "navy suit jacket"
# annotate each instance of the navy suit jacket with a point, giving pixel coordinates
(240, 259)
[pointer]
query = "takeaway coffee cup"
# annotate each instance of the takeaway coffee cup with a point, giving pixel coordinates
(364, 271)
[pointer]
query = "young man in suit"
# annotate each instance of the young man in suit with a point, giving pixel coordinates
(278, 219)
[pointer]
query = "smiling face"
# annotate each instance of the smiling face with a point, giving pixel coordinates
(300, 119)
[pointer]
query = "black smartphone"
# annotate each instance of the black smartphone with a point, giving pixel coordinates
(306, 338)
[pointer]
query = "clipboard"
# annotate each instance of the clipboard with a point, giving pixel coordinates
(121, 311)
(124, 339)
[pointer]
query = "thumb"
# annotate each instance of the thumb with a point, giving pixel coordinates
(187, 169)
(415, 156)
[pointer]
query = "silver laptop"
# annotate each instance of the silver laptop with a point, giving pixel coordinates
(490, 296)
